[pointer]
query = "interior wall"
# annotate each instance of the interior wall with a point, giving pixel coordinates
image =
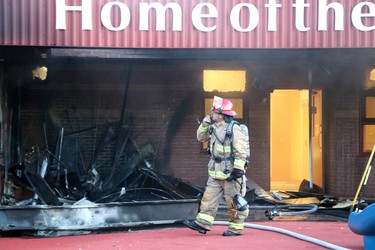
(299, 136)
(281, 146)
(289, 139)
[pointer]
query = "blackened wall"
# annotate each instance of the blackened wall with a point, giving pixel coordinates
(164, 99)
(163, 102)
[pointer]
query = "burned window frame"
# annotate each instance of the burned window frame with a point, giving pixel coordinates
(364, 120)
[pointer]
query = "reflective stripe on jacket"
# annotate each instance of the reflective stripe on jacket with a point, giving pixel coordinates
(222, 148)
(218, 174)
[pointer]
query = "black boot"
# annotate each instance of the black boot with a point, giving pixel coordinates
(230, 233)
(192, 225)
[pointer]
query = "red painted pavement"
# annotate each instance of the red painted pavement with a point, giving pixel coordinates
(336, 233)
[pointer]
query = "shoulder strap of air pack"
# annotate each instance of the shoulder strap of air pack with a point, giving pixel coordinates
(229, 130)
(229, 134)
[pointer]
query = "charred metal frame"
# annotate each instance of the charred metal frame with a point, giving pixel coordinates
(49, 220)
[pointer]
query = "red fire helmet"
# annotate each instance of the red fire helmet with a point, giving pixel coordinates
(223, 106)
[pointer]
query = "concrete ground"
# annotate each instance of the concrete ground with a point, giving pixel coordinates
(329, 235)
(310, 231)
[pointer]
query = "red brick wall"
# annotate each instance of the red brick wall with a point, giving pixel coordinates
(344, 163)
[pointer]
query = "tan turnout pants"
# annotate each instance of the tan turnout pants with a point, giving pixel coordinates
(215, 191)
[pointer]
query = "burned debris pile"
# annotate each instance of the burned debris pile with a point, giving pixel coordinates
(63, 177)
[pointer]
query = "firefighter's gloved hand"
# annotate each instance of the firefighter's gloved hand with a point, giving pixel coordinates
(236, 174)
(207, 121)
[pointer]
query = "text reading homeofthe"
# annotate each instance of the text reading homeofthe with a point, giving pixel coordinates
(208, 11)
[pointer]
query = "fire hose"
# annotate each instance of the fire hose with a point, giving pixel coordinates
(287, 232)
(240, 204)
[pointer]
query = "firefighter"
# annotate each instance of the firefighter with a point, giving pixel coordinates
(226, 173)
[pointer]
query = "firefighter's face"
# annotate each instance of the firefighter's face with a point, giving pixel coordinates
(217, 117)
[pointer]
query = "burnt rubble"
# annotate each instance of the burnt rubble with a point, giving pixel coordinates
(59, 193)
(63, 177)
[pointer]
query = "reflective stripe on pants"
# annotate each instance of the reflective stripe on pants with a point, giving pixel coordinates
(215, 191)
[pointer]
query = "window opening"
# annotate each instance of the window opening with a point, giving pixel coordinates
(224, 80)
(368, 122)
